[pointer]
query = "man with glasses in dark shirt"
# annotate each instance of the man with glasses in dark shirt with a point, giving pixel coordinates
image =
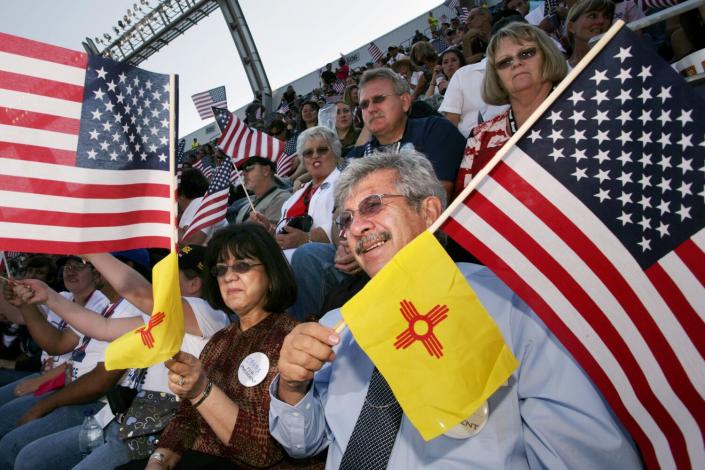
(385, 101)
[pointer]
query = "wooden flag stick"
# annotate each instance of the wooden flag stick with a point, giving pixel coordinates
(242, 183)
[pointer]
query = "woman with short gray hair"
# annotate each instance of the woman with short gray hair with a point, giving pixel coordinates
(523, 66)
(307, 216)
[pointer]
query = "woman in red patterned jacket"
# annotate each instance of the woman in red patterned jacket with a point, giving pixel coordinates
(523, 66)
(223, 420)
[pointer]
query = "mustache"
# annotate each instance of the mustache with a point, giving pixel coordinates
(371, 239)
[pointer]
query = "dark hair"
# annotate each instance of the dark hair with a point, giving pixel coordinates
(43, 261)
(301, 125)
(250, 240)
(193, 184)
(455, 51)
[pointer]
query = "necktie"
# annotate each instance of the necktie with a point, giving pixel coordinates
(376, 429)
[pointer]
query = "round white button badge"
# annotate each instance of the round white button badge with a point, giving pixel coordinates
(471, 426)
(253, 369)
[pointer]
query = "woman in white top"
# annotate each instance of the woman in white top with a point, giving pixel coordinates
(320, 149)
(202, 322)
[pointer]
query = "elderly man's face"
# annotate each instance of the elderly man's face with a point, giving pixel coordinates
(382, 109)
(375, 239)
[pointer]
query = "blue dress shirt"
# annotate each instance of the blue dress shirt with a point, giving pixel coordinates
(548, 415)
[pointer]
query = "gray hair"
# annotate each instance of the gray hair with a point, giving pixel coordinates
(554, 68)
(416, 179)
(320, 132)
(400, 85)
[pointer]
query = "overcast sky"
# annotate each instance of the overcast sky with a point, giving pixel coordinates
(293, 38)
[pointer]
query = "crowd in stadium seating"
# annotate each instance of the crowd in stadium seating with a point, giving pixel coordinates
(444, 95)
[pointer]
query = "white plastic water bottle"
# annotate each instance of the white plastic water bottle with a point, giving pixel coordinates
(91, 434)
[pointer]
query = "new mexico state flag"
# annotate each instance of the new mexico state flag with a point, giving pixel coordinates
(161, 337)
(424, 328)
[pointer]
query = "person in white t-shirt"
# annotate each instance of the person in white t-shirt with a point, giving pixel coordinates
(202, 322)
(85, 382)
(462, 104)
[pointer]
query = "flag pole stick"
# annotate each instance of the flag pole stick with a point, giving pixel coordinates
(560, 88)
(7, 263)
(247, 194)
(173, 234)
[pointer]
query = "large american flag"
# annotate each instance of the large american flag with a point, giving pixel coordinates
(214, 204)
(84, 151)
(205, 100)
(239, 141)
(595, 218)
(375, 52)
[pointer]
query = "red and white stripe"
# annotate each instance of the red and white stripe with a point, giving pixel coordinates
(637, 333)
(214, 204)
(211, 211)
(375, 52)
(240, 142)
(47, 204)
(286, 164)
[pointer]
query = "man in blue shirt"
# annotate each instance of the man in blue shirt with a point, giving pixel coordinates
(385, 101)
(547, 415)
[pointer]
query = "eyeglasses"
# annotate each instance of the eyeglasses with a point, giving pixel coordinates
(308, 153)
(523, 55)
(377, 99)
(74, 267)
(369, 206)
(248, 169)
(239, 267)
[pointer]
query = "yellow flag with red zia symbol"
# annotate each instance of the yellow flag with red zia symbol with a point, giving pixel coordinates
(161, 337)
(424, 328)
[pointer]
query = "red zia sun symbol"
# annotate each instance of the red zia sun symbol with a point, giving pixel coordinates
(146, 332)
(421, 327)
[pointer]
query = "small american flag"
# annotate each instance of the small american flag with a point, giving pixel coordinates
(464, 14)
(595, 217)
(439, 44)
(205, 166)
(339, 86)
(240, 142)
(84, 151)
(452, 4)
(214, 204)
(375, 52)
(656, 4)
(205, 100)
(285, 165)
(283, 108)
(179, 160)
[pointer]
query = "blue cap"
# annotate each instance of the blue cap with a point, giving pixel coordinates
(139, 256)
